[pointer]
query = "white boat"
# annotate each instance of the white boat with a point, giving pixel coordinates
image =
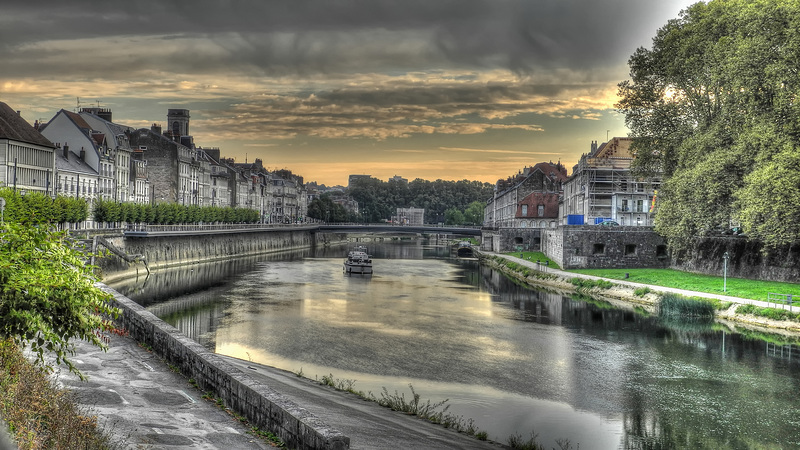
(358, 261)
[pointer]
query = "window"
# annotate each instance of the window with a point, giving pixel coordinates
(524, 210)
(624, 206)
(639, 205)
(540, 210)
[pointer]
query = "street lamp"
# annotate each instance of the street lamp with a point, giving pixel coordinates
(725, 258)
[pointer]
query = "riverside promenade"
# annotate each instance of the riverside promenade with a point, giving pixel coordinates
(143, 403)
(688, 293)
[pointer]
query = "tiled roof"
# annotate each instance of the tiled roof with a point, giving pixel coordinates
(78, 120)
(14, 127)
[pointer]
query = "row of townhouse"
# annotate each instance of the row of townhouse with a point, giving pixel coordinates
(600, 188)
(95, 158)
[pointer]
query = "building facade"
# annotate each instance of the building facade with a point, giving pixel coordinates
(527, 200)
(27, 159)
(410, 216)
(602, 187)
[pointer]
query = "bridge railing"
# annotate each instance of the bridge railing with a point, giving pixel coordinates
(209, 227)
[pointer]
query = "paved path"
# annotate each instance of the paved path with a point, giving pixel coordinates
(143, 404)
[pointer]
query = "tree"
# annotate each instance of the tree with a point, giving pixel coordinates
(452, 216)
(380, 200)
(473, 215)
(713, 106)
(48, 294)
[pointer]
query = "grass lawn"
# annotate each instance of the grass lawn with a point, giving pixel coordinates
(534, 256)
(737, 287)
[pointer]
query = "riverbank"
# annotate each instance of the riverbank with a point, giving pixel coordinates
(630, 294)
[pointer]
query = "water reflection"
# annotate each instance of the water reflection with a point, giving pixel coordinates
(512, 358)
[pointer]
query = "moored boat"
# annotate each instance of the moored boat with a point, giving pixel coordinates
(358, 261)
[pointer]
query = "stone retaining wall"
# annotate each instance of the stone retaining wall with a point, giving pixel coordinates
(172, 250)
(595, 247)
(262, 406)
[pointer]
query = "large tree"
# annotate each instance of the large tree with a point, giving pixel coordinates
(713, 105)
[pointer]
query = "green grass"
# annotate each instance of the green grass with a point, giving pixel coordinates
(584, 284)
(533, 257)
(737, 287)
(521, 269)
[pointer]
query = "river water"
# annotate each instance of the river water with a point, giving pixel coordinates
(515, 360)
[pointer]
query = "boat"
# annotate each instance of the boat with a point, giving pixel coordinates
(464, 250)
(358, 261)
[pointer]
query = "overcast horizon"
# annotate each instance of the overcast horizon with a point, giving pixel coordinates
(467, 89)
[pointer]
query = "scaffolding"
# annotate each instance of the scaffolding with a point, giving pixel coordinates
(607, 190)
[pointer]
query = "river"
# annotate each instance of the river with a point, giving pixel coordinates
(517, 361)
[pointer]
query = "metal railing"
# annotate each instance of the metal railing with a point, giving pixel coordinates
(210, 227)
(782, 299)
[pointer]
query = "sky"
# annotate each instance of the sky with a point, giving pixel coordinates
(431, 89)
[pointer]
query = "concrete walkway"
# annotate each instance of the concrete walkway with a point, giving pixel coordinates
(684, 292)
(143, 404)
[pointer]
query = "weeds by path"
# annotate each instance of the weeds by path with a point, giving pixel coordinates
(39, 414)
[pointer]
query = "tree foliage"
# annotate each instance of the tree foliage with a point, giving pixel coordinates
(379, 200)
(714, 106)
(323, 208)
(38, 208)
(170, 213)
(48, 294)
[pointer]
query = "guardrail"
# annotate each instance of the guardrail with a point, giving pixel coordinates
(783, 299)
(210, 227)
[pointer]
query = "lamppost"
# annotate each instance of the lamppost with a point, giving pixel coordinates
(725, 258)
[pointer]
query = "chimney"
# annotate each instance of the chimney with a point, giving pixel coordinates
(83, 154)
(66, 151)
(156, 128)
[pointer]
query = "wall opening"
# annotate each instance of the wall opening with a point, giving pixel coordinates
(598, 249)
(630, 249)
(661, 251)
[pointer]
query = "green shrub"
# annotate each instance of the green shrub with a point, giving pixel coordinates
(642, 291)
(586, 284)
(769, 313)
(676, 305)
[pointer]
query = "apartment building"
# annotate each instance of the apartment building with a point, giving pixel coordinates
(602, 187)
(528, 199)
(27, 159)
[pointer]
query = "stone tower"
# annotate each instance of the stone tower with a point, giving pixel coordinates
(178, 121)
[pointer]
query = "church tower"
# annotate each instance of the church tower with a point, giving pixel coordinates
(178, 122)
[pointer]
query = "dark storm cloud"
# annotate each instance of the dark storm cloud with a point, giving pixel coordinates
(306, 37)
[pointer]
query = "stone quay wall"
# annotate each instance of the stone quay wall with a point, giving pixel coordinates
(746, 259)
(161, 250)
(175, 250)
(264, 407)
(595, 247)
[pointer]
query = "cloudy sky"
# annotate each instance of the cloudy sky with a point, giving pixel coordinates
(450, 89)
